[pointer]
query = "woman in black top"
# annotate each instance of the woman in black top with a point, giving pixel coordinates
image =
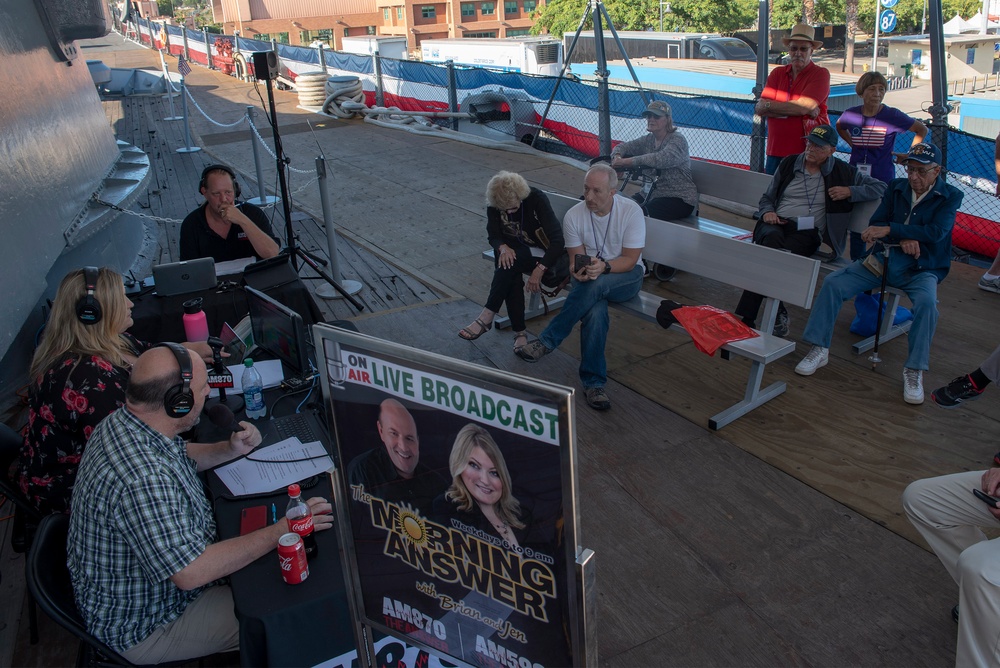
(518, 218)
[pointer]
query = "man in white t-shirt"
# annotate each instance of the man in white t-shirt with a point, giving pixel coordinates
(611, 230)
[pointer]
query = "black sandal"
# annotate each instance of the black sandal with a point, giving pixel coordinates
(469, 335)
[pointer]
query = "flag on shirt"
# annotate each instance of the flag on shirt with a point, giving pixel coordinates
(868, 136)
(183, 67)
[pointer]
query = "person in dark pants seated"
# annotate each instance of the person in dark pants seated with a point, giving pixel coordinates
(220, 228)
(518, 218)
(915, 218)
(664, 149)
(808, 202)
(142, 549)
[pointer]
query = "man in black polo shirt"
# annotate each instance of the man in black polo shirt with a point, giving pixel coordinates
(221, 229)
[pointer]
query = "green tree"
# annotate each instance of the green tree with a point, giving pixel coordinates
(910, 13)
(165, 7)
(714, 16)
(561, 16)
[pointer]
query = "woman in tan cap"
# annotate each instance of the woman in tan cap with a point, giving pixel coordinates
(794, 97)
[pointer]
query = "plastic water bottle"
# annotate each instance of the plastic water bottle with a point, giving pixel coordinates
(300, 520)
(253, 391)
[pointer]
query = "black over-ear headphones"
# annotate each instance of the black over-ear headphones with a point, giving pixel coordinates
(88, 309)
(214, 168)
(179, 400)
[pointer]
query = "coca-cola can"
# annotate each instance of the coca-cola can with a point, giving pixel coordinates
(292, 558)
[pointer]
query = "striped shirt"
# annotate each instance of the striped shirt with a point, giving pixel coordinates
(140, 515)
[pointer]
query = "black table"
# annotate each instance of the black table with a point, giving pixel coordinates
(283, 624)
(158, 318)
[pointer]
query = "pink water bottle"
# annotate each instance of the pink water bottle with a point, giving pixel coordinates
(195, 322)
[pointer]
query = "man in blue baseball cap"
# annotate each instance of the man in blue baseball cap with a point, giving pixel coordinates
(914, 220)
(808, 203)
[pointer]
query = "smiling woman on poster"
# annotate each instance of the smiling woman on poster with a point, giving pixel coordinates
(480, 494)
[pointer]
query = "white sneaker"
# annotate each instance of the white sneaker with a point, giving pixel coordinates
(913, 386)
(989, 284)
(817, 357)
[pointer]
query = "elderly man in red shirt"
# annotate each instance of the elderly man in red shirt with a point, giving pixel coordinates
(794, 98)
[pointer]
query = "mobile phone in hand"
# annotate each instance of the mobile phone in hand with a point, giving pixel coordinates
(579, 262)
(986, 498)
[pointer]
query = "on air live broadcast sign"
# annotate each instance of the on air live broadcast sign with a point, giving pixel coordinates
(455, 503)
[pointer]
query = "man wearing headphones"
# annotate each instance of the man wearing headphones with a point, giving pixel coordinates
(222, 229)
(142, 547)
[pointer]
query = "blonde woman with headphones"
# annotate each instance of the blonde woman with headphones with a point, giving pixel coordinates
(77, 378)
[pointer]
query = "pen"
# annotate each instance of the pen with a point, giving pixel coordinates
(274, 514)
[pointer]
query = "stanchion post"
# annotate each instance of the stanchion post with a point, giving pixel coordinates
(379, 90)
(322, 57)
(184, 39)
(208, 48)
(263, 199)
(187, 148)
(166, 37)
(452, 93)
(327, 291)
(170, 91)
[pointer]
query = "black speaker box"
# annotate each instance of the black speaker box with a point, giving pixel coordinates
(265, 65)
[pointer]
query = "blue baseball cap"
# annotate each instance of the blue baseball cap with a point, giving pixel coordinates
(924, 153)
(823, 135)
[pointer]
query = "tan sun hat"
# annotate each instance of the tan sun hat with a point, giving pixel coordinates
(802, 33)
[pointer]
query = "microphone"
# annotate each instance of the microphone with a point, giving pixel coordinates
(222, 417)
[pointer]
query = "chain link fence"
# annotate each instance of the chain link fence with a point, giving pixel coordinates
(563, 118)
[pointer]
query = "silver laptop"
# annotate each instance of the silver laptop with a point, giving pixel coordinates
(179, 278)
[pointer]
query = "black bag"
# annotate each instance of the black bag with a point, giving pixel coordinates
(557, 276)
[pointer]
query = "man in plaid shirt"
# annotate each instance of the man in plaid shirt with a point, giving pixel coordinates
(142, 547)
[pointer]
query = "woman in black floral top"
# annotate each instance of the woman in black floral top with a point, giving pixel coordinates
(79, 373)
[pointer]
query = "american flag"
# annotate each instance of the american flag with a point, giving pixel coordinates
(183, 67)
(869, 137)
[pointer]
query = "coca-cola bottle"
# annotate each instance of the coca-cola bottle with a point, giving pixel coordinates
(300, 520)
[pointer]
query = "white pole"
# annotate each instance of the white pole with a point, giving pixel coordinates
(878, 7)
(327, 291)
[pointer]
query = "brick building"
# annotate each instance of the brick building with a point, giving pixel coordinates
(301, 22)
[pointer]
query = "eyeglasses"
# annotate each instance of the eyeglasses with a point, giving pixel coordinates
(796, 49)
(919, 170)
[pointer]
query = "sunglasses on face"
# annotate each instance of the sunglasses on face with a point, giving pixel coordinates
(919, 170)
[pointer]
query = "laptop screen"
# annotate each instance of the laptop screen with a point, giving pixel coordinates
(278, 330)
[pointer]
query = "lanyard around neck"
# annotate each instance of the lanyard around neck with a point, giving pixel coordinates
(593, 227)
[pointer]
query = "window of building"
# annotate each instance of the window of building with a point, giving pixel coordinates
(509, 7)
(326, 34)
(468, 9)
(529, 6)
(427, 11)
(399, 13)
(385, 13)
(518, 32)
(488, 33)
(487, 8)
(347, 32)
(370, 30)
(304, 37)
(279, 37)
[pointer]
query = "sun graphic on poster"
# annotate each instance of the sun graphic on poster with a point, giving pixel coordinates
(410, 525)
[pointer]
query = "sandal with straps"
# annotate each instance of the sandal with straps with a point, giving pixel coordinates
(469, 335)
(520, 335)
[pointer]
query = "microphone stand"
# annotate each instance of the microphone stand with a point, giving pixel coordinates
(220, 379)
(293, 249)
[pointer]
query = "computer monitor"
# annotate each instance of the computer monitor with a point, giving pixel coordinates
(278, 330)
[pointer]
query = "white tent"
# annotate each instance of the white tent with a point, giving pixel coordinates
(976, 22)
(957, 26)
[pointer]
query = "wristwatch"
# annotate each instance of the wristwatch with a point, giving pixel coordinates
(607, 267)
